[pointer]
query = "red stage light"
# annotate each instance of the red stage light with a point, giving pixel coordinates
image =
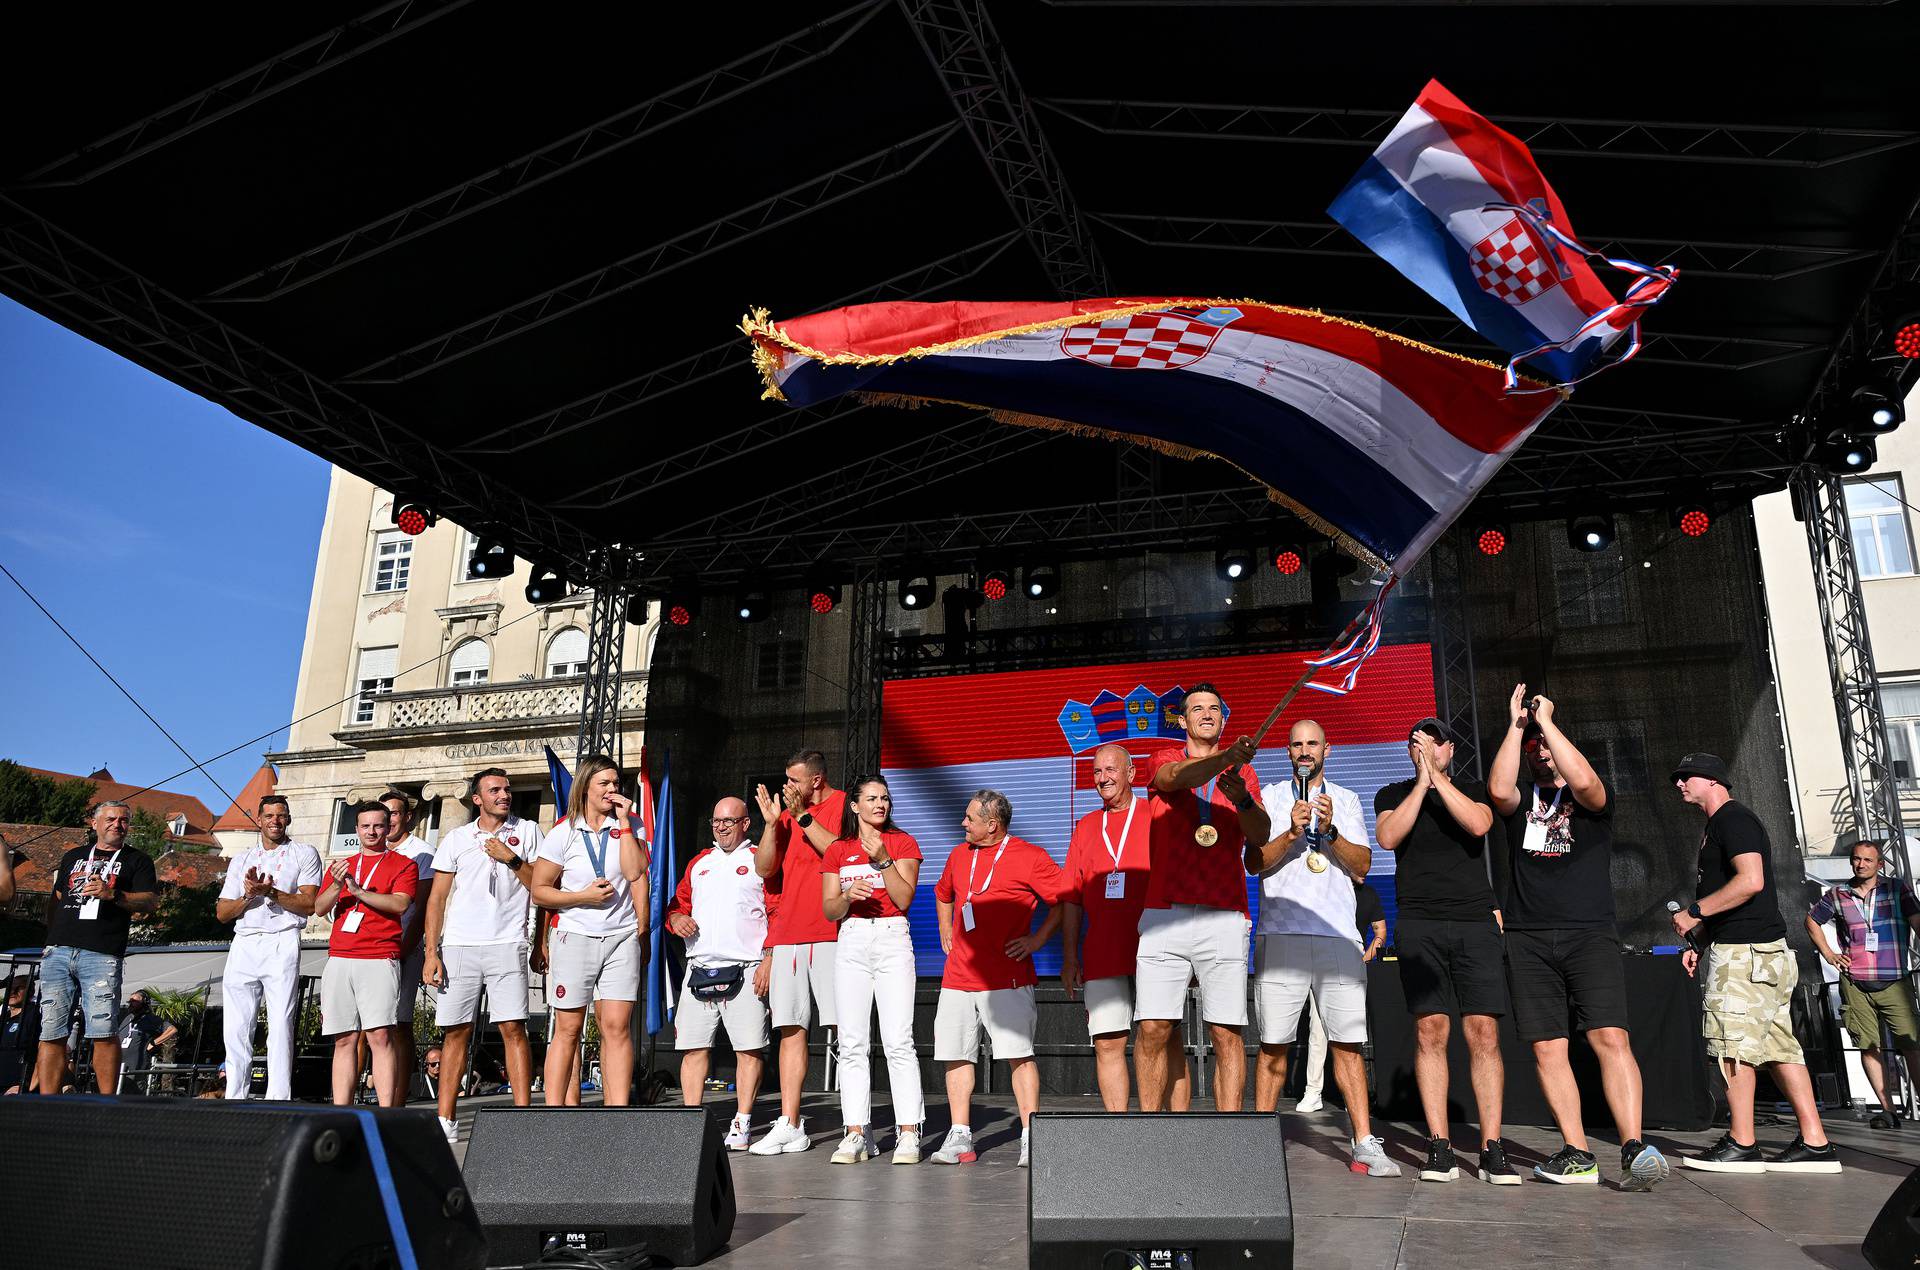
(820, 602)
(680, 615)
(1906, 340)
(1695, 522)
(1288, 562)
(995, 587)
(411, 521)
(1492, 542)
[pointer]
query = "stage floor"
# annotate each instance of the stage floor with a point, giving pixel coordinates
(801, 1209)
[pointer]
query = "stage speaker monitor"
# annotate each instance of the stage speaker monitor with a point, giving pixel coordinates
(157, 1182)
(1893, 1241)
(1190, 1192)
(595, 1178)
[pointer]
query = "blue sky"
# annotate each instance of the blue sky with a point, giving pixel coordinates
(174, 540)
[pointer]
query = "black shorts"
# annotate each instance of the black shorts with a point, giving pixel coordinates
(1451, 967)
(1564, 981)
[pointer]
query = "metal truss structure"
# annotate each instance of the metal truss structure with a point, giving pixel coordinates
(960, 41)
(1766, 145)
(600, 688)
(867, 630)
(1457, 704)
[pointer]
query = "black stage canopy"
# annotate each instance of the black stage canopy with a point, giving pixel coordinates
(492, 254)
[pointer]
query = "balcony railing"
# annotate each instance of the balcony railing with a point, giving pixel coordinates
(513, 702)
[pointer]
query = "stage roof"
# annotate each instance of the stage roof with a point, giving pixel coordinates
(494, 255)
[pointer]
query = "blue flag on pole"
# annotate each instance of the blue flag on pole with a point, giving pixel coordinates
(662, 873)
(562, 782)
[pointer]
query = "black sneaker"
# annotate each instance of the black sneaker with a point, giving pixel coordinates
(1889, 1120)
(1641, 1167)
(1569, 1166)
(1494, 1167)
(1439, 1166)
(1728, 1156)
(1801, 1158)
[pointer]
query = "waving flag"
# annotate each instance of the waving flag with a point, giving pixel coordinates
(663, 874)
(562, 781)
(1458, 206)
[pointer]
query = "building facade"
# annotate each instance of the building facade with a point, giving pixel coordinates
(414, 676)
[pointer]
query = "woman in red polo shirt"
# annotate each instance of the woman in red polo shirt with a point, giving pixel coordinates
(866, 882)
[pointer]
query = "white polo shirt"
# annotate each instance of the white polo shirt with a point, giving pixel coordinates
(415, 849)
(566, 845)
(488, 905)
(291, 865)
(1294, 900)
(729, 905)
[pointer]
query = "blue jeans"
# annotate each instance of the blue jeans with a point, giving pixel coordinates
(67, 974)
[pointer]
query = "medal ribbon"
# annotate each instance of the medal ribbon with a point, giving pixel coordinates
(596, 857)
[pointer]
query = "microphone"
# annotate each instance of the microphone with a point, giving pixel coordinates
(1302, 772)
(1673, 906)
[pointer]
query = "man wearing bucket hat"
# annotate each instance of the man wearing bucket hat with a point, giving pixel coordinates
(1746, 1010)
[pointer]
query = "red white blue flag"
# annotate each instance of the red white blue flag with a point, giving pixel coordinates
(1458, 206)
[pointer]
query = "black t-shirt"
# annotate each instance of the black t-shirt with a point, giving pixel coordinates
(1567, 881)
(19, 1037)
(135, 1033)
(1441, 873)
(1367, 910)
(131, 870)
(1734, 830)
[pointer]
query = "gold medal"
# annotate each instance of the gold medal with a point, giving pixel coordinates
(1316, 862)
(1206, 835)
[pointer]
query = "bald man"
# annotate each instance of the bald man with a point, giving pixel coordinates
(720, 911)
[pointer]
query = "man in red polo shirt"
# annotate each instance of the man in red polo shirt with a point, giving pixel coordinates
(366, 895)
(800, 939)
(1195, 924)
(1108, 860)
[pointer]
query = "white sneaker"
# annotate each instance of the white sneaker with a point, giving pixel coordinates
(853, 1149)
(1309, 1103)
(739, 1130)
(1023, 1150)
(784, 1138)
(1370, 1157)
(452, 1129)
(956, 1147)
(907, 1149)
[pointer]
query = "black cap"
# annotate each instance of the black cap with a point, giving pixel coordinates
(1433, 728)
(1711, 766)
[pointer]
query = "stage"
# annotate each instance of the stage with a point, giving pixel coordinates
(802, 1209)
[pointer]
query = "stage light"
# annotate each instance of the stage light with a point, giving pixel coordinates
(751, 605)
(823, 597)
(1691, 518)
(1905, 326)
(1491, 539)
(546, 585)
(492, 557)
(1042, 581)
(681, 608)
(412, 517)
(1843, 454)
(1875, 405)
(996, 583)
(916, 592)
(1232, 563)
(1287, 560)
(1590, 532)
(636, 610)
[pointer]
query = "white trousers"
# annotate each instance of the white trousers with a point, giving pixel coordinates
(873, 972)
(257, 964)
(1316, 1049)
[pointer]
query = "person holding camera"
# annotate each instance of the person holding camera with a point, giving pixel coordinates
(720, 910)
(1563, 954)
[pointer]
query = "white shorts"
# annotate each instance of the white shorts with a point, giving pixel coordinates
(1187, 942)
(696, 1023)
(1109, 1005)
(1288, 967)
(1007, 1013)
(411, 970)
(502, 968)
(357, 994)
(802, 979)
(586, 968)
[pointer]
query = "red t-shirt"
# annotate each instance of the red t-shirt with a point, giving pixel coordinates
(1113, 925)
(1004, 896)
(1184, 872)
(378, 938)
(799, 918)
(849, 859)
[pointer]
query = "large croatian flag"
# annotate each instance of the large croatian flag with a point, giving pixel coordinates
(1374, 439)
(1458, 206)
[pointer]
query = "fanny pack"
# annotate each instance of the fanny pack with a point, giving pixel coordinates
(716, 983)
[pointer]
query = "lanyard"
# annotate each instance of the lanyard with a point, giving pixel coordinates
(107, 865)
(493, 866)
(597, 858)
(1206, 801)
(1540, 817)
(1125, 829)
(973, 858)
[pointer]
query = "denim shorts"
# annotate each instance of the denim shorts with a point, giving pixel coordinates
(91, 978)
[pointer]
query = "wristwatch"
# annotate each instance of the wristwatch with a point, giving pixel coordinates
(883, 864)
(514, 862)
(804, 819)
(1244, 802)
(1693, 911)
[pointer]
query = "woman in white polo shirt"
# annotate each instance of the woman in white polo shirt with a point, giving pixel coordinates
(866, 880)
(592, 869)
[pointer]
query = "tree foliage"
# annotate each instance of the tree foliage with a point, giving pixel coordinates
(185, 916)
(27, 798)
(147, 833)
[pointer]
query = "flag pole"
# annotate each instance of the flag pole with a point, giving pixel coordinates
(1305, 678)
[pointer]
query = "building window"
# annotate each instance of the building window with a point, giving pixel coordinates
(177, 825)
(1900, 708)
(1589, 587)
(779, 664)
(1877, 519)
(567, 653)
(392, 561)
(469, 663)
(374, 678)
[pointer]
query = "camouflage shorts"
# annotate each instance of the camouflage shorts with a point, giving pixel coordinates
(1747, 1010)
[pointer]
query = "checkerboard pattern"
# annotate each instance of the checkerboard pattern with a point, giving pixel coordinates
(1509, 266)
(1144, 341)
